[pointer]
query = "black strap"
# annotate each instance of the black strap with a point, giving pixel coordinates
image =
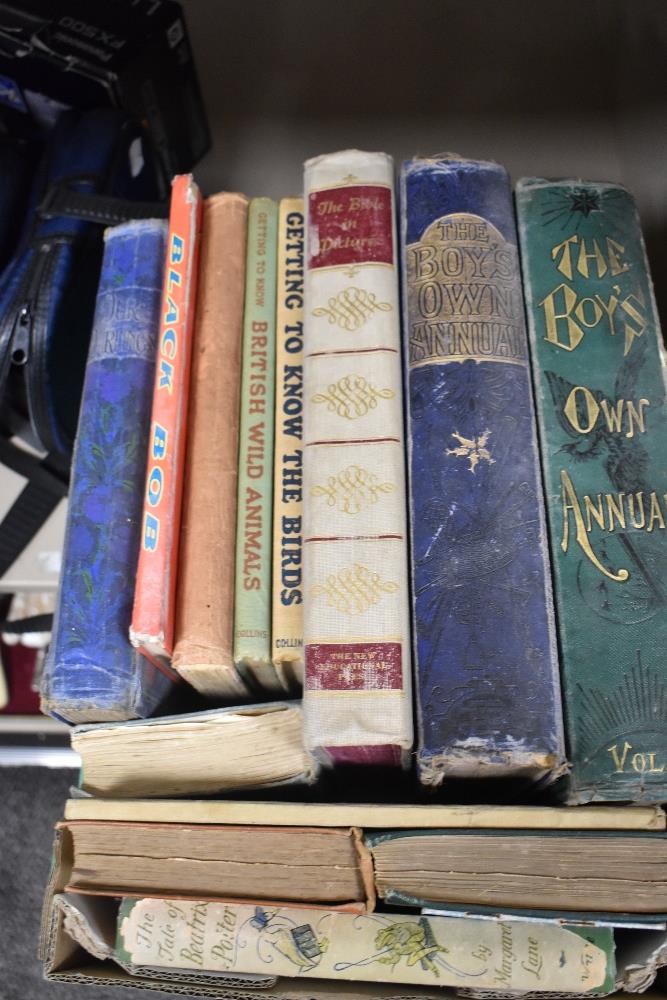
(60, 200)
(35, 623)
(46, 486)
(48, 478)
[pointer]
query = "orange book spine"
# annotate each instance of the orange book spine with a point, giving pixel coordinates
(152, 628)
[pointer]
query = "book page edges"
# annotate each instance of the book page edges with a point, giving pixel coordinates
(354, 906)
(290, 671)
(65, 961)
(366, 868)
(490, 761)
(213, 679)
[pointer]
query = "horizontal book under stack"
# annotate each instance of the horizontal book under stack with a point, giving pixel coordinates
(215, 876)
(333, 450)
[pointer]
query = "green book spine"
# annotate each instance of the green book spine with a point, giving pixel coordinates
(252, 599)
(600, 388)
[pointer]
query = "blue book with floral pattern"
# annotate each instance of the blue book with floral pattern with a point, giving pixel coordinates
(93, 674)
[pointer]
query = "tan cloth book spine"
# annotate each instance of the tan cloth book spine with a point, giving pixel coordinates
(203, 652)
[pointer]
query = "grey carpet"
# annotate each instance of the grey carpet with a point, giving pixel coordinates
(31, 801)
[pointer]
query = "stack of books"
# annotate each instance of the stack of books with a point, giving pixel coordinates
(329, 459)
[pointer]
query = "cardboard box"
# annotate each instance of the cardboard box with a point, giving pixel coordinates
(66, 960)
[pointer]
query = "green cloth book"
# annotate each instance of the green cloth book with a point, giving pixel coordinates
(604, 875)
(600, 389)
(252, 597)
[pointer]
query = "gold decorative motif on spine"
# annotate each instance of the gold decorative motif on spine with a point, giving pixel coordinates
(354, 590)
(351, 308)
(352, 396)
(352, 489)
(464, 295)
(474, 449)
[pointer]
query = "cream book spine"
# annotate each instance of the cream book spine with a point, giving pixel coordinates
(374, 816)
(357, 694)
(406, 948)
(287, 598)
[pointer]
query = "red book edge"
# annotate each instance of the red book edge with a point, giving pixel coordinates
(152, 627)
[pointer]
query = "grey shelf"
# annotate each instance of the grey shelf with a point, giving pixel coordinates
(38, 756)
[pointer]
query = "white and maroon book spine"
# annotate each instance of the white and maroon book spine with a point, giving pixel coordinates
(357, 695)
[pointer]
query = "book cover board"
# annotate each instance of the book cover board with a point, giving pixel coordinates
(93, 673)
(357, 694)
(488, 694)
(71, 954)
(375, 816)
(76, 953)
(254, 550)
(152, 627)
(599, 375)
(203, 651)
(287, 594)
(392, 948)
(241, 730)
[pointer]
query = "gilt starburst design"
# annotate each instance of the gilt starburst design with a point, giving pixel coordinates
(566, 207)
(585, 201)
(474, 449)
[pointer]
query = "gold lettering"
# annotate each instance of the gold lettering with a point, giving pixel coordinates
(423, 261)
(574, 332)
(619, 761)
(610, 307)
(640, 505)
(643, 762)
(329, 207)
(613, 414)
(612, 262)
(582, 411)
(580, 313)
(655, 514)
(596, 255)
(564, 265)
(570, 503)
(615, 510)
(597, 515)
(614, 251)
(635, 415)
(592, 409)
(633, 311)
(653, 768)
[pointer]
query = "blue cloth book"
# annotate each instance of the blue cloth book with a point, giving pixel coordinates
(488, 695)
(92, 673)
